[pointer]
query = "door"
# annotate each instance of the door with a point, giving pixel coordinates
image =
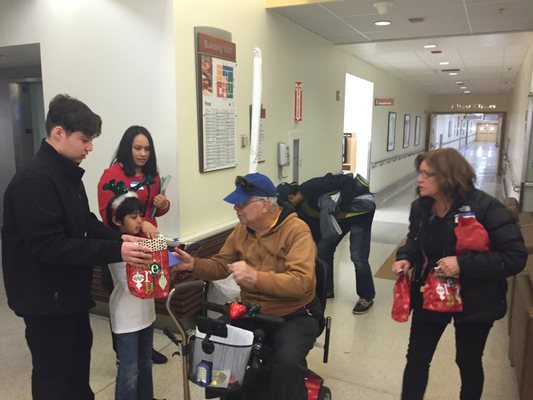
(296, 159)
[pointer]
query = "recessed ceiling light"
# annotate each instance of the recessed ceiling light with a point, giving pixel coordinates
(462, 87)
(430, 46)
(467, 91)
(459, 82)
(452, 73)
(382, 23)
(444, 63)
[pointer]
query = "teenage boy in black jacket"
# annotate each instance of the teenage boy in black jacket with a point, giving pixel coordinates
(50, 243)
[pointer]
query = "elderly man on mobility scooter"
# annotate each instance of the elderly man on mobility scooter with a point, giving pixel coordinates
(271, 254)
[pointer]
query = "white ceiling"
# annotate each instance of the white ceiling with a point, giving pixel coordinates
(485, 39)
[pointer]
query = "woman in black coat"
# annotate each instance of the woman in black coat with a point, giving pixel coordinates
(446, 190)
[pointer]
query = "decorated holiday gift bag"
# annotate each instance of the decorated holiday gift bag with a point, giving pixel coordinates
(151, 281)
(401, 303)
(471, 235)
(442, 293)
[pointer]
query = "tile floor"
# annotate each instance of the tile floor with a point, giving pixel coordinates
(367, 352)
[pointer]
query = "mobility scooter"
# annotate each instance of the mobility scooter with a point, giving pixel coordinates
(227, 360)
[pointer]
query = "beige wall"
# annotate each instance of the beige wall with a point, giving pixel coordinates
(516, 123)
(289, 54)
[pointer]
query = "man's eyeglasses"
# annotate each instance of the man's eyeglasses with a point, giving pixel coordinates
(426, 175)
(247, 185)
(248, 202)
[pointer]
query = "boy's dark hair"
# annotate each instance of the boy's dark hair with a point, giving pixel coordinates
(124, 154)
(73, 115)
(285, 190)
(128, 206)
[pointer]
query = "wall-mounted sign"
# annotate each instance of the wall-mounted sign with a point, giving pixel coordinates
(383, 102)
(216, 60)
(298, 101)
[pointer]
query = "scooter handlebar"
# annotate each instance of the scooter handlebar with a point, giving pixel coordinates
(255, 316)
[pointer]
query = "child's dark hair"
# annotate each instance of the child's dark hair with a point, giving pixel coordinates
(285, 190)
(129, 206)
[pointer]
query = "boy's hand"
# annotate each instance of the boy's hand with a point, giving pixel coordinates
(149, 230)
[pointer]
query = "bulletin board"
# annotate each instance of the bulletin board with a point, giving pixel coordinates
(216, 64)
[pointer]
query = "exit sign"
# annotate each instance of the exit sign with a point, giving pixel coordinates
(383, 102)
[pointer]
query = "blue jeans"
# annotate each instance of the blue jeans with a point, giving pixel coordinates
(360, 228)
(134, 377)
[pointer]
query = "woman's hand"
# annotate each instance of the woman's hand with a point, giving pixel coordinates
(149, 230)
(401, 267)
(448, 266)
(161, 201)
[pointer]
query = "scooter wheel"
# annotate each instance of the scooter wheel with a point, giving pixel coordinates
(324, 393)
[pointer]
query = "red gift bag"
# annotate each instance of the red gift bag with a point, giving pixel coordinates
(471, 235)
(401, 303)
(151, 281)
(442, 293)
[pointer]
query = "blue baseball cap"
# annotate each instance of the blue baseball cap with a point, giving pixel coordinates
(249, 185)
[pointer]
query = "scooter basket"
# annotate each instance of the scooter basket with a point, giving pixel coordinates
(227, 362)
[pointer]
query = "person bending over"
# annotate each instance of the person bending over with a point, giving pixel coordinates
(306, 199)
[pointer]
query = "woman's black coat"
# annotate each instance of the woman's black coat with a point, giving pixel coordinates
(483, 275)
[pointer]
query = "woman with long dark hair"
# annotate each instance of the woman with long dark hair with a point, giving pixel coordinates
(134, 161)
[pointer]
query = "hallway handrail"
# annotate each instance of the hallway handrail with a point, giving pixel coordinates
(514, 182)
(394, 159)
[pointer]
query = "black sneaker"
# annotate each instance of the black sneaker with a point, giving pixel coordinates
(362, 306)
(158, 358)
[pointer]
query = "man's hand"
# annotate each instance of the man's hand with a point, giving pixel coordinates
(133, 252)
(243, 273)
(186, 260)
(149, 230)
